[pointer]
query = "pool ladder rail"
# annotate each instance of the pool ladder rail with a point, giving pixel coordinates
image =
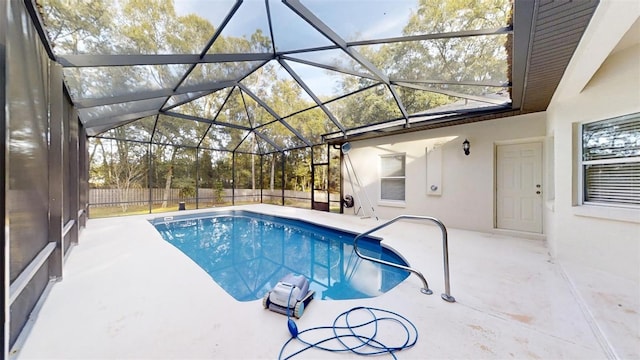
(446, 296)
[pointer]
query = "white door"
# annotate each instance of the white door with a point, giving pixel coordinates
(519, 187)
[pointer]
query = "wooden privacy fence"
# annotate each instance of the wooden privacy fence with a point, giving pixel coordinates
(108, 197)
(111, 197)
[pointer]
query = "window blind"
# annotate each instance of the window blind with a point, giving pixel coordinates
(613, 183)
(392, 177)
(611, 160)
(610, 139)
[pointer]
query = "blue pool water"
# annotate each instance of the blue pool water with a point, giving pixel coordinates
(247, 253)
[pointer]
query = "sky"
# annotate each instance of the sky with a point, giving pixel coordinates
(372, 19)
(350, 19)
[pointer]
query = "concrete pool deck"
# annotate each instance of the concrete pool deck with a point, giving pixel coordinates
(128, 294)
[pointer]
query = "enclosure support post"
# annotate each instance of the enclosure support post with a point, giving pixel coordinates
(3, 166)
(197, 178)
(233, 178)
(328, 157)
(150, 178)
(71, 120)
(313, 178)
(56, 188)
(83, 164)
(342, 166)
(282, 178)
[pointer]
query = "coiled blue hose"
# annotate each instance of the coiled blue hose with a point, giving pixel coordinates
(345, 331)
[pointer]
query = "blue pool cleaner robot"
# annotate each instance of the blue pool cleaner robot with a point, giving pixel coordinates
(290, 296)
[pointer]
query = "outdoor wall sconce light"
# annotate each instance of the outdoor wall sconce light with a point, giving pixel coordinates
(466, 146)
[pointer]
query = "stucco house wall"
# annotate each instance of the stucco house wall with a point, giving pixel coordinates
(604, 238)
(597, 247)
(602, 81)
(467, 182)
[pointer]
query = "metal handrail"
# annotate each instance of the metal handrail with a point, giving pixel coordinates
(446, 296)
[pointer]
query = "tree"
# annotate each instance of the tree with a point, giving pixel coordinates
(477, 58)
(205, 166)
(118, 165)
(154, 27)
(453, 59)
(76, 26)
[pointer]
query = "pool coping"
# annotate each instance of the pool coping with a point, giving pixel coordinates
(127, 293)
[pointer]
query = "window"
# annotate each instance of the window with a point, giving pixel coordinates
(392, 177)
(611, 161)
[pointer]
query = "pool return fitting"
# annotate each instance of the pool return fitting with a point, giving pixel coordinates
(446, 296)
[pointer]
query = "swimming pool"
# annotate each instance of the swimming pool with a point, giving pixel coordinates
(246, 253)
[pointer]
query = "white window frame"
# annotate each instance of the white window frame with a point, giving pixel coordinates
(583, 163)
(392, 202)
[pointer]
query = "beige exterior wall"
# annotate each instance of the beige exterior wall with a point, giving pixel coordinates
(467, 182)
(597, 247)
(603, 81)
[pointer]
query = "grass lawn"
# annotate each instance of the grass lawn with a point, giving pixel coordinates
(111, 211)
